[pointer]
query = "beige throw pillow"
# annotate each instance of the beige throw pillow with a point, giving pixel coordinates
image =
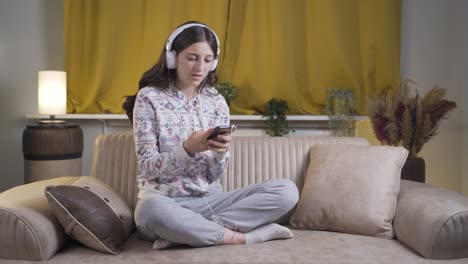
(351, 189)
(92, 213)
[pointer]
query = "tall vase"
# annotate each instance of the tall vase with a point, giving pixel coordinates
(414, 170)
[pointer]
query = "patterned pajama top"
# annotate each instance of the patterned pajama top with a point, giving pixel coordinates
(162, 121)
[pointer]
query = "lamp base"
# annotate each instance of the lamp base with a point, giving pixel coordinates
(52, 122)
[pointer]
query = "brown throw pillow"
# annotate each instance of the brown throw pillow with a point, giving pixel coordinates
(351, 189)
(92, 213)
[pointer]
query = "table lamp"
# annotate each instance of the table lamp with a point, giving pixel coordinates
(52, 148)
(52, 95)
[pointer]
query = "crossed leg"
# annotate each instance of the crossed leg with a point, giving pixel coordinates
(237, 217)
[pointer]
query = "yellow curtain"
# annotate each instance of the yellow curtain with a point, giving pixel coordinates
(297, 50)
(290, 49)
(110, 43)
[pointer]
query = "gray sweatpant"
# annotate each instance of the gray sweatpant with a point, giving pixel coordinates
(189, 220)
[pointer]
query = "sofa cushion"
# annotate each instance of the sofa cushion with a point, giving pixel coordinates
(28, 227)
(91, 213)
(351, 189)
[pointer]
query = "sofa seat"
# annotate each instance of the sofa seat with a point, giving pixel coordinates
(306, 247)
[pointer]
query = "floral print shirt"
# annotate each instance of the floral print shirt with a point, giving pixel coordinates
(162, 121)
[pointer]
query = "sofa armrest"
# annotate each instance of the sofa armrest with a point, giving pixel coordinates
(432, 221)
(28, 228)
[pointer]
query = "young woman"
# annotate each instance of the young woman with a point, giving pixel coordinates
(180, 198)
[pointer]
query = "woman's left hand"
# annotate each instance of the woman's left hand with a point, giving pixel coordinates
(220, 143)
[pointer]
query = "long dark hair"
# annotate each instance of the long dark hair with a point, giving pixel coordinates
(159, 76)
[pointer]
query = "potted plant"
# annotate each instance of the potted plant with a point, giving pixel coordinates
(340, 110)
(275, 112)
(228, 91)
(401, 117)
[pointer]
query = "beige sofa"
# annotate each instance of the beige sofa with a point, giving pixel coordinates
(430, 222)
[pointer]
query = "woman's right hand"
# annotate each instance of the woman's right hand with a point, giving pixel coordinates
(197, 142)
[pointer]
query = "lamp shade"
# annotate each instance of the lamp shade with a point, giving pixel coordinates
(52, 97)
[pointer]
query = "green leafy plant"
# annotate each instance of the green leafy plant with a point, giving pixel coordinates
(228, 91)
(276, 122)
(398, 118)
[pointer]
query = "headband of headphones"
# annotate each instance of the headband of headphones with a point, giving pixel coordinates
(182, 28)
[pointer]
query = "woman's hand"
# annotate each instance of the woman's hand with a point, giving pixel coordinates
(220, 143)
(197, 142)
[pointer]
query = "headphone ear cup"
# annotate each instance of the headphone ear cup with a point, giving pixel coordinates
(171, 59)
(213, 66)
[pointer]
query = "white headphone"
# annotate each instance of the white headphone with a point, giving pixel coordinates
(171, 54)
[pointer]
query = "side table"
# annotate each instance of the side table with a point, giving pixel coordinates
(52, 150)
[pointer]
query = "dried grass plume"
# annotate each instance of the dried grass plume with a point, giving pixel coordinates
(398, 118)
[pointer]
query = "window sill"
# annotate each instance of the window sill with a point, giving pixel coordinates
(233, 117)
(256, 122)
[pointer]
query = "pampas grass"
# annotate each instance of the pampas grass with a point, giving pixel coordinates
(400, 118)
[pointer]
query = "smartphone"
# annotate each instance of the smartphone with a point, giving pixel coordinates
(221, 130)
